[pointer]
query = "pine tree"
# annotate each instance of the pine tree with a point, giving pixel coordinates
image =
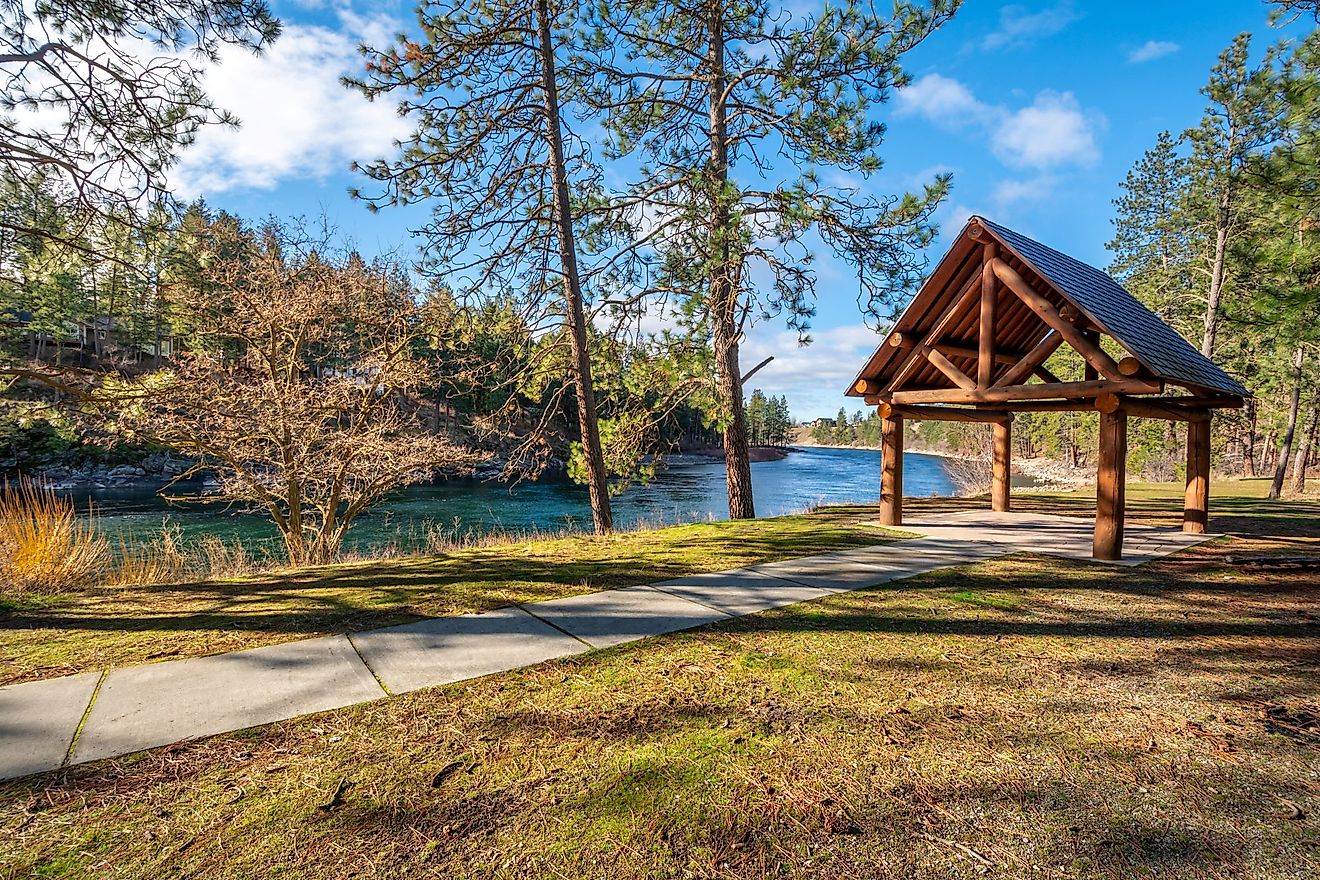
(493, 154)
(1240, 120)
(1154, 242)
(701, 95)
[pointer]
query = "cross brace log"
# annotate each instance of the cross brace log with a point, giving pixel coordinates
(946, 366)
(1032, 360)
(1045, 310)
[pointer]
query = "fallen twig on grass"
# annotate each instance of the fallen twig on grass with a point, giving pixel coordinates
(337, 798)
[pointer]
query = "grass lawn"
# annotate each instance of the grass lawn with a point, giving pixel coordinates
(119, 626)
(1022, 717)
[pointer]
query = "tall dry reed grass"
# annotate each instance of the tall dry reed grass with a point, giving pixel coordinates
(46, 548)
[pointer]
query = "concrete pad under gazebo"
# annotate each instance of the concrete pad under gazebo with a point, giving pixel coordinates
(973, 344)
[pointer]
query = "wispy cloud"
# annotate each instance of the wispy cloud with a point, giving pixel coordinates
(1008, 193)
(1020, 27)
(298, 122)
(1053, 131)
(813, 377)
(1152, 49)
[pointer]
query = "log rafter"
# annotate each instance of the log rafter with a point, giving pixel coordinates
(1094, 355)
(919, 351)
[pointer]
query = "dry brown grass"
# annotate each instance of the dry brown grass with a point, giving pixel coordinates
(46, 548)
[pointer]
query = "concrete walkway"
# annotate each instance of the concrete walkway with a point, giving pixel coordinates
(45, 725)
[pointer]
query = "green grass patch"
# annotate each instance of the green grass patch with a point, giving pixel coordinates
(986, 599)
(1120, 730)
(116, 626)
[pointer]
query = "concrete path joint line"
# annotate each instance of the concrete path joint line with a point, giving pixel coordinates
(521, 606)
(82, 722)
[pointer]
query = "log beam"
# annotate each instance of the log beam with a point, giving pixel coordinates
(1196, 500)
(1147, 408)
(1211, 402)
(963, 351)
(1110, 486)
(947, 367)
(891, 471)
(868, 386)
(1002, 467)
(1129, 366)
(944, 414)
(1045, 310)
(985, 359)
(1011, 393)
(1032, 360)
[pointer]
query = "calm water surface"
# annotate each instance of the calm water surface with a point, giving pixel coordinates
(690, 489)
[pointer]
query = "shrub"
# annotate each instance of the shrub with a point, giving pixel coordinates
(45, 547)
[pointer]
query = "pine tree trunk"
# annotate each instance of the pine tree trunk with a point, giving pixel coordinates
(1285, 444)
(1216, 291)
(574, 313)
(1249, 449)
(1298, 484)
(723, 290)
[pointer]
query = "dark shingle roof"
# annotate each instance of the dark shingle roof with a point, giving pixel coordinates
(1157, 345)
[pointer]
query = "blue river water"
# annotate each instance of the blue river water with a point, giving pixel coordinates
(689, 489)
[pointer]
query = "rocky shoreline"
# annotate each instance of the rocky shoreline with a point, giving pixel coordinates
(159, 469)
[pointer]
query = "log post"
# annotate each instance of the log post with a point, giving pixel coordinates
(1196, 501)
(985, 361)
(1109, 494)
(891, 471)
(1002, 467)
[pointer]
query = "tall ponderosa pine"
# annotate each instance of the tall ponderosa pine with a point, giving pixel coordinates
(1154, 243)
(1240, 120)
(494, 154)
(716, 99)
(1279, 253)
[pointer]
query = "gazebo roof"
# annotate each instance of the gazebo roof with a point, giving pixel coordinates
(1093, 301)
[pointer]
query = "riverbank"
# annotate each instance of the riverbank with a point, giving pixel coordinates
(755, 453)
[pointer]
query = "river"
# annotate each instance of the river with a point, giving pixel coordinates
(689, 489)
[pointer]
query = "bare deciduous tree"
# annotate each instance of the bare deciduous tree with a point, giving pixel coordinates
(301, 403)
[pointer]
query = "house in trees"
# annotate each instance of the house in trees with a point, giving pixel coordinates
(978, 344)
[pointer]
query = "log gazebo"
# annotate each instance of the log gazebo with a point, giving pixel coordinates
(972, 346)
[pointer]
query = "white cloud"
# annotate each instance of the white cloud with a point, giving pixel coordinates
(1010, 192)
(1053, 131)
(941, 100)
(297, 120)
(813, 377)
(1019, 27)
(1152, 49)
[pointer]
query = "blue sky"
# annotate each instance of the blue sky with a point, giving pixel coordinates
(1037, 108)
